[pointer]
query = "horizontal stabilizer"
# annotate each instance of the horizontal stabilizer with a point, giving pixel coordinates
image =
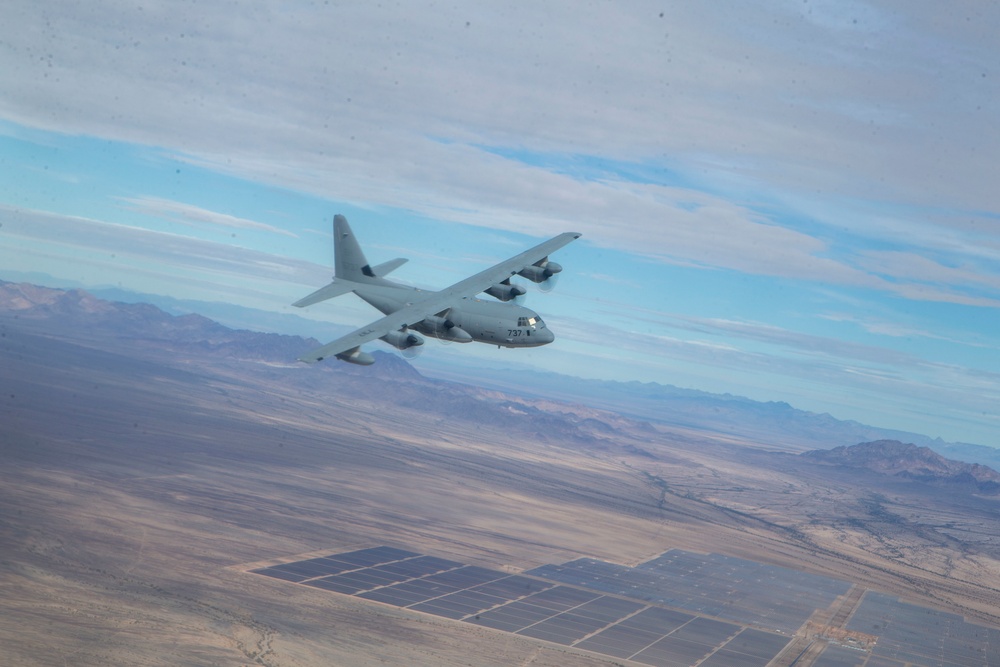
(386, 268)
(336, 288)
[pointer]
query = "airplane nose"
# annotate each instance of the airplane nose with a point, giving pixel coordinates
(545, 336)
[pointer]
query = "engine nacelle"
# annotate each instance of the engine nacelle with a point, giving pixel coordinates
(402, 340)
(356, 356)
(539, 273)
(443, 328)
(506, 291)
(457, 334)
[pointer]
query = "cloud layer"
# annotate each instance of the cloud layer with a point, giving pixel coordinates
(841, 151)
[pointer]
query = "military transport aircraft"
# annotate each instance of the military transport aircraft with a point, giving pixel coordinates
(452, 314)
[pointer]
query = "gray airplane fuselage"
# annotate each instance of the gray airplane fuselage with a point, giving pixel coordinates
(493, 322)
(450, 314)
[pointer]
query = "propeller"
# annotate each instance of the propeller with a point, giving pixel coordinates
(543, 273)
(448, 324)
(549, 283)
(404, 340)
(505, 289)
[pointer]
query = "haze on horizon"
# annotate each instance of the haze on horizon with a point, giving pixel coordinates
(785, 200)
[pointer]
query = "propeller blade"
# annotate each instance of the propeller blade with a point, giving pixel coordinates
(549, 283)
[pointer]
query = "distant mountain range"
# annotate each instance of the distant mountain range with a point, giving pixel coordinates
(85, 315)
(772, 424)
(891, 457)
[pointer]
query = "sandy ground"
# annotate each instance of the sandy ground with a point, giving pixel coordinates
(135, 494)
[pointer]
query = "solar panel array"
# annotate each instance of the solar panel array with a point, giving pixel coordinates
(767, 596)
(623, 612)
(839, 656)
(909, 634)
(568, 615)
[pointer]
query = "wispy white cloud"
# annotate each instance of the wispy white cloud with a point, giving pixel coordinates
(857, 378)
(711, 89)
(617, 281)
(183, 253)
(897, 329)
(911, 266)
(65, 177)
(780, 338)
(193, 215)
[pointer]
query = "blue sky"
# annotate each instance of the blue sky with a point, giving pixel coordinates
(785, 200)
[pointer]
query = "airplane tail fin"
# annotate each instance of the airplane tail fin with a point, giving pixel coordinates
(351, 270)
(349, 260)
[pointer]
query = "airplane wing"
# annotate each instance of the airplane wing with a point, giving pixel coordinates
(334, 289)
(435, 303)
(485, 279)
(409, 315)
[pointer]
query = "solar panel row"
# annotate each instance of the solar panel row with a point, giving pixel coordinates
(567, 615)
(922, 636)
(335, 564)
(836, 656)
(709, 584)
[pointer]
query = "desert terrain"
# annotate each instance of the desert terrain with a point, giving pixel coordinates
(143, 479)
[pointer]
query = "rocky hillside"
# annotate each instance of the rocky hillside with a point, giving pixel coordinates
(85, 316)
(891, 457)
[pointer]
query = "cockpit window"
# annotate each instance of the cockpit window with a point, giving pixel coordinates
(530, 322)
